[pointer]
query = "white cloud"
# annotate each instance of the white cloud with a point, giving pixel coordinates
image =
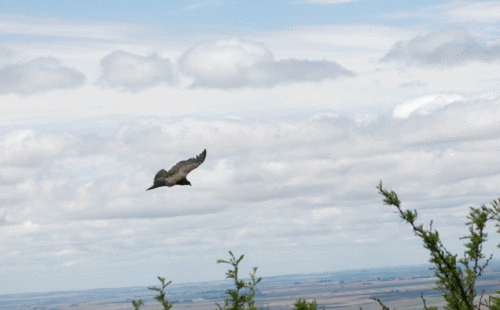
(72, 192)
(460, 12)
(326, 213)
(414, 83)
(470, 120)
(242, 63)
(26, 148)
(234, 63)
(38, 75)
(71, 198)
(133, 73)
(425, 104)
(295, 161)
(484, 12)
(452, 47)
(223, 58)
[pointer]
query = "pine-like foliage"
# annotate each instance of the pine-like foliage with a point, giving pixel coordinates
(238, 300)
(456, 277)
(301, 304)
(456, 283)
(161, 293)
(160, 297)
(137, 304)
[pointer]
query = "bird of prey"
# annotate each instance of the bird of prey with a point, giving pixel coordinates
(177, 174)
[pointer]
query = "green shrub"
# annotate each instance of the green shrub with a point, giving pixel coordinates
(238, 300)
(160, 297)
(301, 304)
(456, 284)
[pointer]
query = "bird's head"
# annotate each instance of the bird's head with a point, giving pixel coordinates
(154, 186)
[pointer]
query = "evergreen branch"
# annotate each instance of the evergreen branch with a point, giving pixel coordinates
(384, 307)
(137, 304)
(480, 298)
(425, 306)
(456, 289)
(480, 273)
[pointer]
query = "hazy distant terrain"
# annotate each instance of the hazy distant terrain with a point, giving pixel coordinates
(399, 287)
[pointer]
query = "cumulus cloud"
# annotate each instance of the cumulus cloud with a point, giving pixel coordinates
(425, 104)
(452, 47)
(243, 63)
(133, 73)
(25, 148)
(293, 161)
(38, 75)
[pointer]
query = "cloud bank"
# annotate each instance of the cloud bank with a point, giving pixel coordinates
(425, 104)
(133, 73)
(75, 201)
(242, 63)
(38, 75)
(223, 64)
(452, 47)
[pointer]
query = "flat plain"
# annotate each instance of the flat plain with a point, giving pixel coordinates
(398, 287)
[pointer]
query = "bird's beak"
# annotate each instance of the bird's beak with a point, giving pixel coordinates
(154, 186)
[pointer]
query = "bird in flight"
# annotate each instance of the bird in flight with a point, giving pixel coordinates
(177, 174)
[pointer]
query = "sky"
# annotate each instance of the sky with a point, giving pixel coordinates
(303, 107)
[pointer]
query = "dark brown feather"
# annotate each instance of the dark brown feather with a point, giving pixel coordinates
(186, 166)
(161, 174)
(177, 174)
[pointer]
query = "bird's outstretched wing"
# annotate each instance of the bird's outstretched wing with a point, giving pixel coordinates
(182, 168)
(161, 174)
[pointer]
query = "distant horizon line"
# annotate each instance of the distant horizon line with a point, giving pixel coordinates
(419, 266)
